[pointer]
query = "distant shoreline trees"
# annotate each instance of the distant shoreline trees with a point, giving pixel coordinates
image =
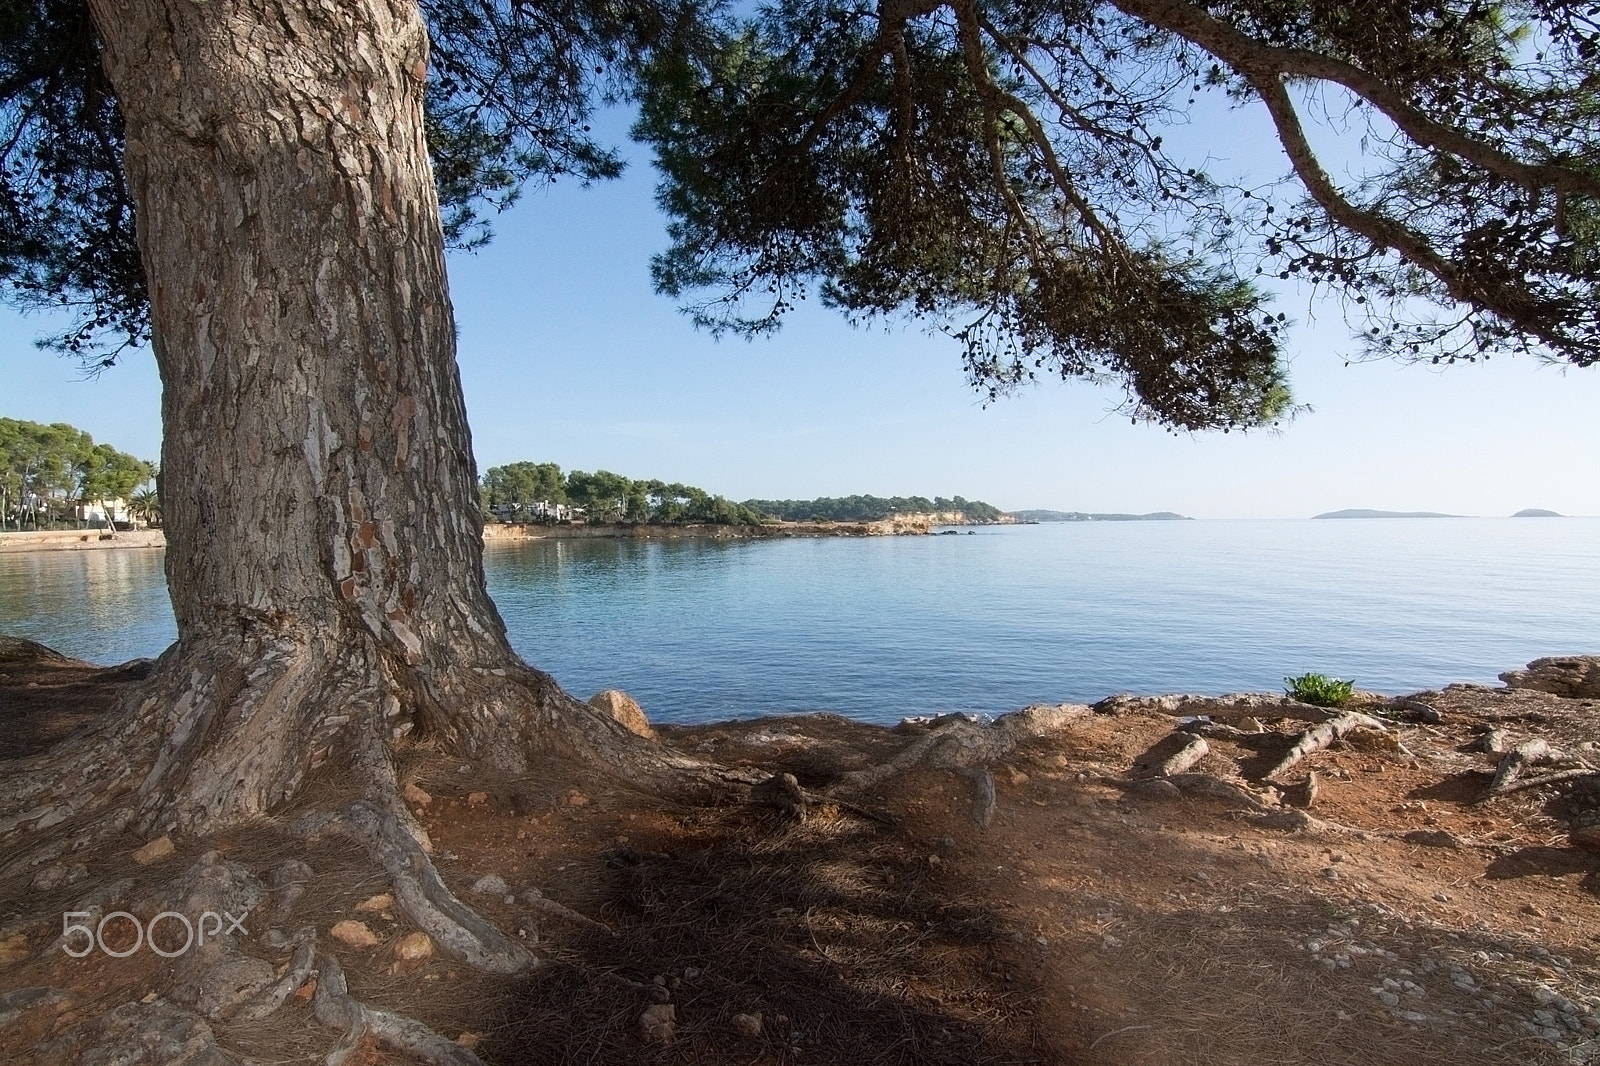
(52, 474)
(872, 508)
(541, 493)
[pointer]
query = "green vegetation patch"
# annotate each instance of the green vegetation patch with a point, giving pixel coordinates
(1319, 690)
(871, 508)
(540, 492)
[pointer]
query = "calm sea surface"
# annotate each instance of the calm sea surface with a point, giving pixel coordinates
(884, 627)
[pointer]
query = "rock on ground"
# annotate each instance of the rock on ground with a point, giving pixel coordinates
(1572, 676)
(624, 708)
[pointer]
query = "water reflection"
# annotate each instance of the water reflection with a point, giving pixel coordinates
(104, 605)
(881, 627)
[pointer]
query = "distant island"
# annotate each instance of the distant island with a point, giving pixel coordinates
(1088, 516)
(1537, 512)
(1362, 512)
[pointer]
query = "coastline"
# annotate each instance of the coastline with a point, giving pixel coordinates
(50, 540)
(899, 526)
(498, 532)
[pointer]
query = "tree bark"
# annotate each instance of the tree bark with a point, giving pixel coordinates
(319, 493)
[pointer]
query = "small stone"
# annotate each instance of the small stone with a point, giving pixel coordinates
(1442, 897)
(53, 818)
(154, 851)
(53, 877)
(490, 885)
(623, 709)
(575, 799)
(353, 933)
(1432, 838)
(14, 948)
(1158, 789)
(1015, 776)
(659, 1023)
(470, 1041)
(414, 794)
(414, 946)
(477, 799)
(289, 880)
(375, 904)
(1494, 742)
(1389, 999)
(230, 984)
(782, 791)
(747, 1025)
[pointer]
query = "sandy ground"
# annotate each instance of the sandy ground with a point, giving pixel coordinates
(1094, 920)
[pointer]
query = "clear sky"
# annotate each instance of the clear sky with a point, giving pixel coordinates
(568, 356)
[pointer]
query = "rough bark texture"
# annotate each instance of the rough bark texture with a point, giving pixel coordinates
(324, 544)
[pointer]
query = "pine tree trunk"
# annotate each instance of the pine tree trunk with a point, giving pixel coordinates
(324, 540)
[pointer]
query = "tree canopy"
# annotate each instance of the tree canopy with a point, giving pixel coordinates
(1005, 169)
(511, 89)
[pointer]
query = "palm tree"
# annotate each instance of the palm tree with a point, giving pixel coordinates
(146, 506)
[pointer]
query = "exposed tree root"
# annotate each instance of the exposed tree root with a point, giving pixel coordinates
(1194, 785)
(537, 900)
(298, 973)
(1320, 736)
(19, 1001)
(1508, 775)
(1547, 779)
(420, 892)
(958, 742)
(1175, 754)
(336, 1008)
(982, 796)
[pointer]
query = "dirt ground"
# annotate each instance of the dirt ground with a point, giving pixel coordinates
(1095, 920)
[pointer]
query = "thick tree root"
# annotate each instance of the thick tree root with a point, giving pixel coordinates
(16, 1003)
(982, 797)
(1508, 775)
(536, 900)
(420, 892)
(1318, 737)
(298, 973)
(1175, 754)
(957, 742)
(336, 1008)
(1546, 779)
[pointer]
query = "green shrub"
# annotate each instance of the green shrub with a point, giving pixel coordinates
(1319, 690)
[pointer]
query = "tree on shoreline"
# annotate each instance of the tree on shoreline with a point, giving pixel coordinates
(266, 187)
(59, 467)
(524, 491)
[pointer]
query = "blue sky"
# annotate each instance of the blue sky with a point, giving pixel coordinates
(568, 356)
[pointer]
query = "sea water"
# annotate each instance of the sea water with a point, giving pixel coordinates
(986, 620)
